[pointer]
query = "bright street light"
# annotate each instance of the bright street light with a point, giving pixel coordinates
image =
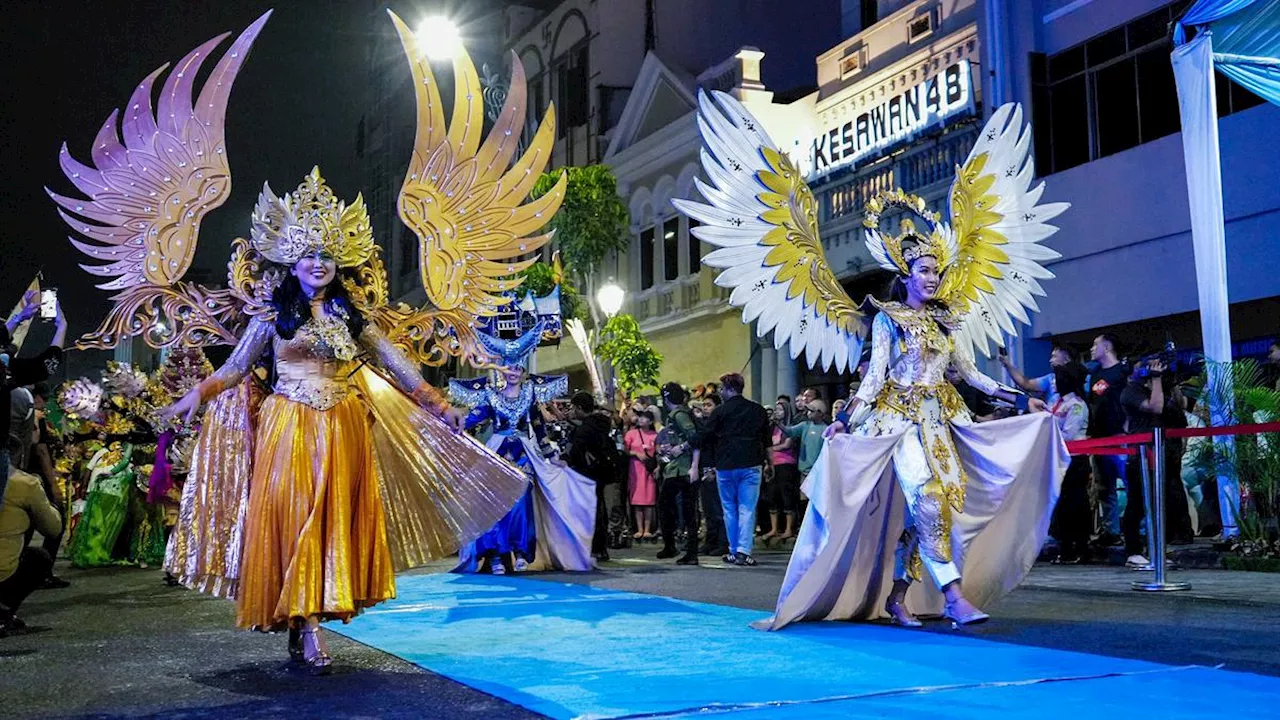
(439, 37)
(610, 296)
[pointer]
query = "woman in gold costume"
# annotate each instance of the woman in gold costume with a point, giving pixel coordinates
(315, 538)
(302, 505)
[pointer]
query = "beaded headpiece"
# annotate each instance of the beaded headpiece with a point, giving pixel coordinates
(308, 220)
(897, 252)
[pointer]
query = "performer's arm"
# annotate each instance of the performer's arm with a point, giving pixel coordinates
(404, 372)
(963, 362)
(248, 350)
(877, 375)
(878, 365)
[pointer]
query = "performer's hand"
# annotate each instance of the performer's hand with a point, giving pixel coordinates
(694, 474)
(455, 418)
(833, 429)
(1036, 405)
(30, 305)
(187, 408)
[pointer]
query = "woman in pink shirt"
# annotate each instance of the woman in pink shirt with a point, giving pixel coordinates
(784, 488)
(640, 442)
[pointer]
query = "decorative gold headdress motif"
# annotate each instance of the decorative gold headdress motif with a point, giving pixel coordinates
(910, 244)
(311, 219)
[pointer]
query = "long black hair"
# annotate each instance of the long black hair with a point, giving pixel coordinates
(293, 307)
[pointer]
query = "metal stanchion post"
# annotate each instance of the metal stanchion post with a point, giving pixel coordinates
(1156, 521)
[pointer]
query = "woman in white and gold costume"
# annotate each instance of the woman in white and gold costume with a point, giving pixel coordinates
(303, 504)
(915, 487)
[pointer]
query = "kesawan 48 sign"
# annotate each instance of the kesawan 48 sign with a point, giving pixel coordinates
(946, 94)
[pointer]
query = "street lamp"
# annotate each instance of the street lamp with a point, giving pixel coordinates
(439, 37)
(610, 296)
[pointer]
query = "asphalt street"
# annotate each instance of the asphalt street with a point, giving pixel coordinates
(119, 643)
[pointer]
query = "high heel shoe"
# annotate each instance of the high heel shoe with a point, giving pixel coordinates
(295, 646)
(314, 652)
(899, 615)
(973, 617)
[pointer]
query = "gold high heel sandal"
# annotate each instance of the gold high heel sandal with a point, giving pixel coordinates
(314, 652)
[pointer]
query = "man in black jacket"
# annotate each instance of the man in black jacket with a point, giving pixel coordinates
(16, 372)
(741, 433)
(592, 452)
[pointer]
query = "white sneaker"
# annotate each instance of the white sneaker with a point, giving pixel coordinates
(521, 564)
(1137, 562)
(498, 569)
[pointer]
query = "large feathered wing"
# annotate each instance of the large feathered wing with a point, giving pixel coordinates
(464, 199)
(154, 181)
(761, 217)
(998, 226)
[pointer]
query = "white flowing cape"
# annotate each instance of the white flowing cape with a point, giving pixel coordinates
(564, 512)
(842, 565)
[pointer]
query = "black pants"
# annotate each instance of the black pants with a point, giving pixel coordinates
(600, 537)
(679, 491)
(615, 500)
(1072, 521)
(1177, 517)
(713, 512)
(34, 565)
(785, 488)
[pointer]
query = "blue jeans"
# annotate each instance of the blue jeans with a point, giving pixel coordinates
(739, 493)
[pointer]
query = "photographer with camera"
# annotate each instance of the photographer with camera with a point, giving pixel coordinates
(16, 372)
(1150, 400)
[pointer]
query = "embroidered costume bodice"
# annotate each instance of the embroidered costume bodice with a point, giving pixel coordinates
(910, 353)
(313, 366)
(510, 413)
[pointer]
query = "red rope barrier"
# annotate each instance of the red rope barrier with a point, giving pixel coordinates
(1117, 445)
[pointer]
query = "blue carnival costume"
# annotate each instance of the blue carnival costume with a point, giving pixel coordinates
(552, 524)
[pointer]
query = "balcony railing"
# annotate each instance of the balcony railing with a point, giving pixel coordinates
(914, 170)
(670, 299)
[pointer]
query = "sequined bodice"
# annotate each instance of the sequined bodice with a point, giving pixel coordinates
(312, 367)
(912, 349)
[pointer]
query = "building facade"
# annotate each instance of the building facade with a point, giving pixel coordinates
(1097, 78)
(624, 77)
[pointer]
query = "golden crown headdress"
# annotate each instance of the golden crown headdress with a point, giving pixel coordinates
(308, 220)
(897, 252)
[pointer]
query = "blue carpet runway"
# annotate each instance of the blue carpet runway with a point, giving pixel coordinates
(573, 651)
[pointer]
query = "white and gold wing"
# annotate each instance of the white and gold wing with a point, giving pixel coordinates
(151, 183)
(466, 201)
(998, 227)
(761, 217)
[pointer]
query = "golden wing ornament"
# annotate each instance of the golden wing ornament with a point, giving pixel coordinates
(148, 189)
(761, 217)
(998, 226)
(465, 200)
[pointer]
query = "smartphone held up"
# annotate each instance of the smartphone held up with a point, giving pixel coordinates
(48, 304)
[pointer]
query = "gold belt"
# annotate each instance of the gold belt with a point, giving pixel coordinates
(319, 393)
(908, 401)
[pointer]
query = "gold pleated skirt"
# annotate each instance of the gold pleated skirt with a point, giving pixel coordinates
(315, 538)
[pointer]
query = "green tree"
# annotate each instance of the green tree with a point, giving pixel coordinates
(625, 347)
(592, 223)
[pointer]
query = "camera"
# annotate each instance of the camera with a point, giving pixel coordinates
(1167, 355)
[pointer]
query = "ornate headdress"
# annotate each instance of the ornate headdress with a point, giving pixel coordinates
(896, 252)
(311, 219)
